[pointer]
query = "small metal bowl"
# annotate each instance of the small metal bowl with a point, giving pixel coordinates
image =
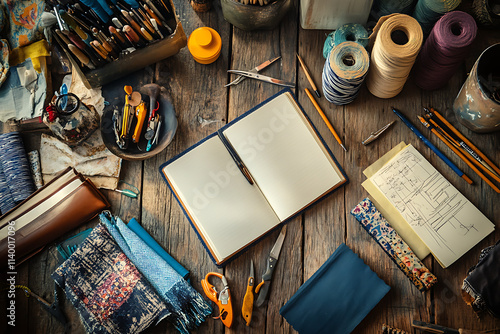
(138, 151)
(253, 17)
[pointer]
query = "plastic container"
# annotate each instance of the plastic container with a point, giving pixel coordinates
(205, 44)
(332, 14)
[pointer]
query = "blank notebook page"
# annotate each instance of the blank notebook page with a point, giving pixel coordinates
(286, 160)
(225, 207)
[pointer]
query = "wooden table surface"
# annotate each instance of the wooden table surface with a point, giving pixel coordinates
(203, 105)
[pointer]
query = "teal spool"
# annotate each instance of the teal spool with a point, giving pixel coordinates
(385, 7)
(428, 12)
(351, 32)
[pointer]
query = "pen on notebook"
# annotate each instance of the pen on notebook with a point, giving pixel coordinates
(235, 157)
(325, 119)
(308, 75)
(431, 146)
(457, 152)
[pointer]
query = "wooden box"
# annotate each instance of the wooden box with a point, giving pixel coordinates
(126, 64)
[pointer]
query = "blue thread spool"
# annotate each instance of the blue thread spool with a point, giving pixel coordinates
(385, 7)
(16, 169)
(351, 32)
(344, 72)
(427, 12)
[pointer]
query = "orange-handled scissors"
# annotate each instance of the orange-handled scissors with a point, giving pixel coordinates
(222, 299)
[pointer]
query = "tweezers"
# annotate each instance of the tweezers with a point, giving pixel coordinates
(376, 134)
(264, 78)
(253, 70)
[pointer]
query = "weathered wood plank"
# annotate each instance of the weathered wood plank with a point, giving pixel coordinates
(200, 102)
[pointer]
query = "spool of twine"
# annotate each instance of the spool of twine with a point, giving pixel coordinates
(15, 168)
(385, 7)
(444, 50)
(344, 71)
(427, 12)
(396, 41)
(351, 32)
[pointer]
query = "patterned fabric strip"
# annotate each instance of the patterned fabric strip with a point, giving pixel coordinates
(109, 293)
(379, 228)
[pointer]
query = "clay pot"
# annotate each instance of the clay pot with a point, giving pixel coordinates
(253, 17)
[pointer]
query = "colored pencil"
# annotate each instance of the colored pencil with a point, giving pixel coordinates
(325, 119)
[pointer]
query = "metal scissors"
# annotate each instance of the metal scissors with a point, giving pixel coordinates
(256, 69)
(264, 78)
(263, 288)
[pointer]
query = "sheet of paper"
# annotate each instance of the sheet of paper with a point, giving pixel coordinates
(287, 161)
(441, 216)
(226, 208)
(390, 212)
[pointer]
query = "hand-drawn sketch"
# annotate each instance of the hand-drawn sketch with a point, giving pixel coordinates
(440, 215)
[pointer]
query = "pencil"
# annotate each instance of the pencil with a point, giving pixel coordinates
(431, 146)
(308, 75)
(452, 128)
(323, 116)
(457, 152)
(468, 152)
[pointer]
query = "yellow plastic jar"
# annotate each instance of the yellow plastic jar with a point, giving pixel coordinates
(205, 45)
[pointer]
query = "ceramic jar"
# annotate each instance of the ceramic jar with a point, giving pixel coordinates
(253, 17)
(477, 106)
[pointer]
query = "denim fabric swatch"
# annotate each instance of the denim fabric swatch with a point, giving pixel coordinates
(187, 307)
(134, 225)
(337, 297)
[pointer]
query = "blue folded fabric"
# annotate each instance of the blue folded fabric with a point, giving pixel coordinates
(337, 297)
(134, 225)
(187, 307)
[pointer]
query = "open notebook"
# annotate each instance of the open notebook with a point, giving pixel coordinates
(444, 220)
(290, 165)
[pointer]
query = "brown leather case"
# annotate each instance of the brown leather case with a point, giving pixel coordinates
(77, 207)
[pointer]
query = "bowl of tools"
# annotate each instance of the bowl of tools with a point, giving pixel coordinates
(143, 126)
(255, 14)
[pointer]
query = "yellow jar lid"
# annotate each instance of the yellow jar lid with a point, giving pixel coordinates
(205, 45)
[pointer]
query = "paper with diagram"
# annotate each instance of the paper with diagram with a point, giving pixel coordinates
(447, 222)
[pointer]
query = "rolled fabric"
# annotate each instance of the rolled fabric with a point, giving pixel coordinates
(351, 32)
(396, 41)
(427, 12)
(344, 72)
(444, 50)
(6, 200)
(36, 168)
(16, 167)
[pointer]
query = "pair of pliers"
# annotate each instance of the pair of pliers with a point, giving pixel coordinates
(254, 70)
(222, 299)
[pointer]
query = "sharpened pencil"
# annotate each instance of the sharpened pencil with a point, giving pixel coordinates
(308, 75)
(325, 119)
(457, 152)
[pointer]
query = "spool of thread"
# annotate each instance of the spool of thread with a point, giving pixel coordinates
(385, 7)
(444, 50)
(35, 168)
(396, 41)
(427, 12)
(344, 72)
(15, 168)
(351, 32)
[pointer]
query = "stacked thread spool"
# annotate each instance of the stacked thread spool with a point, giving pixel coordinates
(352, 32)
(444, 50)
(344, 72)
(397, 39)
(427, 12)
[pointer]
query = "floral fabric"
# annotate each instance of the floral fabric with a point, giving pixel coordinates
(379, 228)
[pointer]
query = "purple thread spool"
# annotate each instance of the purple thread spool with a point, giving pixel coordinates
(444, 50)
